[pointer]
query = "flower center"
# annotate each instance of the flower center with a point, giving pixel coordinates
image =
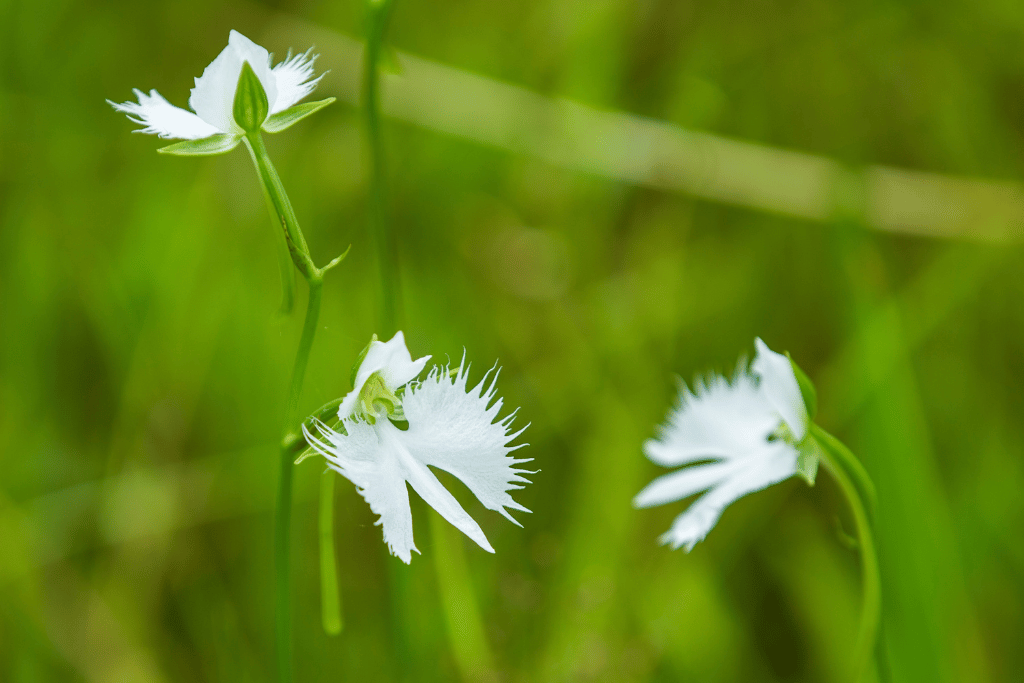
(377, 400)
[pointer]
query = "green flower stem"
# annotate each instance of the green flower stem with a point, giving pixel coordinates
(330, 597)
(377, 14)
(871, 609)
(284, 215)
(851, 464)
(283, 514)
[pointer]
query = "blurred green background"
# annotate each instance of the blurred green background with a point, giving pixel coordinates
(143, 371)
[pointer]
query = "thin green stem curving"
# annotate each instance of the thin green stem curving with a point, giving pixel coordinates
(377, 14)
(284, 216)
(871, 607)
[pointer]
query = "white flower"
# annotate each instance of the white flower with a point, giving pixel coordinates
(394, 364)
(213, 97)
(450, 427)
(745, 434)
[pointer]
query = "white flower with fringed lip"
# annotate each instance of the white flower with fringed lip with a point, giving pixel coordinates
(213, 97)
(750, 429)
(450, 427)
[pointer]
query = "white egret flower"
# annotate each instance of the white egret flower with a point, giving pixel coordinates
(745, 435)
(213, 97)
(450, 427)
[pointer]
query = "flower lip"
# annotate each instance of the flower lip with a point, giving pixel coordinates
(394, 363)
(780, 387)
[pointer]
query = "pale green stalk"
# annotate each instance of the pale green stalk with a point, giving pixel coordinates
(838, 460)
(330, 596)
(284, 216)
(377, 14)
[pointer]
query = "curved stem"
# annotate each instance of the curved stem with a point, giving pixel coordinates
(378, 12)
(281, 205)
(871, 608)
(851, 464)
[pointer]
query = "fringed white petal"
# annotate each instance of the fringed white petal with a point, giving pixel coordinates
(684, 483)
(213, 98)
(778, 382)
(457, 430)
(162, 118)
(293, 80)
(720, 420)
(774, 462)
(379, 475)
(426, 484)
(393, 360)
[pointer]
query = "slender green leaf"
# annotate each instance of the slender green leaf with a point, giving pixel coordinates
(215, 144)
(292, 115)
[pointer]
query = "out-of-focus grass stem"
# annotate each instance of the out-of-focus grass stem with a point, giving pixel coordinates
(377, 15)
(330, 596)
(462, 614)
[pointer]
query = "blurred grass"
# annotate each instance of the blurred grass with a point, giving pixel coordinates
(142, 370)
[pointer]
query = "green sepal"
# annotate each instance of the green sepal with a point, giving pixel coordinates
(808, 456)
(283, 120)
(359, 361)
(807, 390)
(215, 144)
(251, 107)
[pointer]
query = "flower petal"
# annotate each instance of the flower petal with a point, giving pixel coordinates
(778, 382)
(775, 462)
(162, 118)
(214, 95)
(455, 430)
(393, 360)
(292, 79)
(378, 474)
(683, 483)
(426, 484)
(721, 420)
(259, 60)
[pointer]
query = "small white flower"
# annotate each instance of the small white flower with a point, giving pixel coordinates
(450, 427)
(213, 97)
(745, 434)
